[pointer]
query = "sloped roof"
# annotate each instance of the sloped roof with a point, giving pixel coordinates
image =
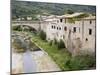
(74, 15)
(90, 17)
(69, 15)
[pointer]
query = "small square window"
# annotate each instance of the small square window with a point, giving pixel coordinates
(74, 29)
(90, 22)
(60, 20)
(52, 27)
(90, 31)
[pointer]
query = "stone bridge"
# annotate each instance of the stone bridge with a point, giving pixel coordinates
(36, 25)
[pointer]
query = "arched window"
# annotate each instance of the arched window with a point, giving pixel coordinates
(65, 28)
(59, 28)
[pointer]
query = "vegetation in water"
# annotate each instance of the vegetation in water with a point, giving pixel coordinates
(19, 46)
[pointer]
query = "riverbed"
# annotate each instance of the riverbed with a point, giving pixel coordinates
(31, 61)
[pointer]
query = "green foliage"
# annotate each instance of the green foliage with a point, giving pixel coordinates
(23, 28)
(42, 35)
(82, 15)
(17, 28)
(63, 58)
(81, 62)
(59, 56)
(55, 41)
(50, 42)
(61, 44)
(71, 20)
(26, 8)
(77, 18)
(70, 12)
(94, 14)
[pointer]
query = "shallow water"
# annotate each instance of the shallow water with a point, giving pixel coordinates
(29, 63)
(38, 53)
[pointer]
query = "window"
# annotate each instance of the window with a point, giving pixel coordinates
(52, 27)
(59, 28)
(60, 20)
(74, 29)
(90, 31)
(90, 22)
(65, 28)
(86, 39)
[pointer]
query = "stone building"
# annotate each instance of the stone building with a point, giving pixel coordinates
(77, 35)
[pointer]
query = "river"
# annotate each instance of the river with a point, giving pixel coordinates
(29, 64)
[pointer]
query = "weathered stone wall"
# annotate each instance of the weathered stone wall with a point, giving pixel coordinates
(89, 39)
(77, 36)
(75, 40)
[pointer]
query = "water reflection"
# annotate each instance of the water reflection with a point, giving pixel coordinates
(29, 64)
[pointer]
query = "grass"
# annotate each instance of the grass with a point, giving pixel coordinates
(58, 55)
(82, 62)
(63, 58)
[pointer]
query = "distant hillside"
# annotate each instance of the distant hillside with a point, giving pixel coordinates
(27, 8)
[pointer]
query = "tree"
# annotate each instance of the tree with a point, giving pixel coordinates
(61, 44)
(70, 12)
(42, 35)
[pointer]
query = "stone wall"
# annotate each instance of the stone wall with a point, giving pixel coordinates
(78, 36)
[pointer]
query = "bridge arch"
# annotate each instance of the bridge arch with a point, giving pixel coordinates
(36, 25)
(24, 28)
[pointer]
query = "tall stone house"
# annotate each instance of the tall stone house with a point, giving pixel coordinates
(77, 35)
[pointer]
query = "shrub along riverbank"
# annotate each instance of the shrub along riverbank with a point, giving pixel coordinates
(60, 55)
(63, 58)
